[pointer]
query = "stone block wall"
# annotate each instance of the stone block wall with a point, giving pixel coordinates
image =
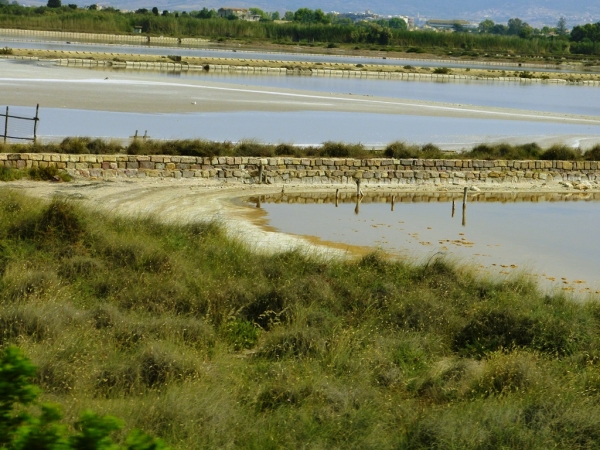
(308, 170)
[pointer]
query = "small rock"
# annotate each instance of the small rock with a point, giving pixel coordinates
(475, 188)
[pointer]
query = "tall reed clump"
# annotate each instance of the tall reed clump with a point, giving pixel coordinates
(195, 338)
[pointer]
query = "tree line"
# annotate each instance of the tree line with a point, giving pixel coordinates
(306, 26)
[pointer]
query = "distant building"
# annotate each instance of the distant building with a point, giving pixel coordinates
(240, 13)
(440, 24)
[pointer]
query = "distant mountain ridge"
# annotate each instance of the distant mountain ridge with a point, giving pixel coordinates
(536, 12)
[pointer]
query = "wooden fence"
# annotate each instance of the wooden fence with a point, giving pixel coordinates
(20, 127)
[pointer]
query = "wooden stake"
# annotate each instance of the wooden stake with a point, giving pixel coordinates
(260, 173)
(465, 196)
(35, 124)
(453, 207)
(337, 197)
(393, 201)
(6, 125)
(358, 200)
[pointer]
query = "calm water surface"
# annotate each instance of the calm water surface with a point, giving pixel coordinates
(569, 99)
(302, 128)
(552, 236)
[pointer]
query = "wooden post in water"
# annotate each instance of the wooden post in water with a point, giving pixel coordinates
(260, 173)
(465, 197)
(358, 200)
(453, 207)
(337, 197)
(393, 201)
(359, 193)
(464, 218)
(6, 125)
(35, 123)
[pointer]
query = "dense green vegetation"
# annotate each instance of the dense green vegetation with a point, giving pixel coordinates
(305, 26)
(83, 145)
(191, 336)
(43, 430)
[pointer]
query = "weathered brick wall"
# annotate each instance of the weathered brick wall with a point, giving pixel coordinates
(308, 170)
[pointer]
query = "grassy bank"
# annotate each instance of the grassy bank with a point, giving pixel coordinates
(193, 337)
(83, 145)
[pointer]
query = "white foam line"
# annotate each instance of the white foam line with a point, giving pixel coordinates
(320, 97)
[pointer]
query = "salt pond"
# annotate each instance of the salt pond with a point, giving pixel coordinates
(553, 236)
(295, 109)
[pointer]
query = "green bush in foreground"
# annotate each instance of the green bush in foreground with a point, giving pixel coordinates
(197, 339)
(23, 430)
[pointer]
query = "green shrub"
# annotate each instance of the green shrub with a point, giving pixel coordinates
(442, 70)
(561, 153)
(48, 173)
(592, 154)
(241, 334)
(10, 174)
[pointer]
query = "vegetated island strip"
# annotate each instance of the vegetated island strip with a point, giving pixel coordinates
(181, 325)
(174, 63)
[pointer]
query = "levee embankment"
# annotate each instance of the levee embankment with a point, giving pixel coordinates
(583, 175)
(133, 38)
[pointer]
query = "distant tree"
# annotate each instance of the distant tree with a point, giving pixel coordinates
(561, 27)
(289, 16)
(306, 15)
(516, 25)
(303, 15)
(54, 4)
(93, 7)
(72, 5)
(343, 21)
(275, 15)
(499, 29)
(486, 26)
(165, 13)
(397, 23)
(588, 31)
(141, 11)
(458, 28)
(321, 17)
(526, 31)
(155, 11)
(259, 12)
(205, 13)
(3, 2)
